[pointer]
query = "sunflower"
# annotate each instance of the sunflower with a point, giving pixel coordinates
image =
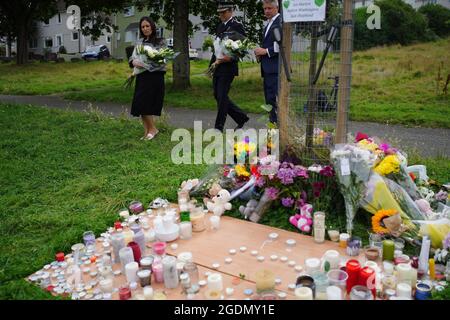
(377, 220)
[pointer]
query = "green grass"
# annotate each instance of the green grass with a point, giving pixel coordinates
(396, 85)
(62, 173)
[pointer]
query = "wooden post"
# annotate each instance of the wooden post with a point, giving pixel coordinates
(283, 97)
(345, 73)
(312, 96)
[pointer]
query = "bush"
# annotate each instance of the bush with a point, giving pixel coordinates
(400, 24)
(438, 18)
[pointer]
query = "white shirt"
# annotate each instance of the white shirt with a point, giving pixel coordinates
(270, 23)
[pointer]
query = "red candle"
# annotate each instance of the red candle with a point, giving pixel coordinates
(60, 256)
(124, 293)
(136, 251)
(117, 225)
(352, 268)
(367, 278)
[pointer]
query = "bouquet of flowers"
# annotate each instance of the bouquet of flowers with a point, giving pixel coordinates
(236, 49)
(150, 57)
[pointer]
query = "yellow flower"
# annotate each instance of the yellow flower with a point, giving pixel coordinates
(390, 164)
(378, 218)
(241, 171)
(366, 144)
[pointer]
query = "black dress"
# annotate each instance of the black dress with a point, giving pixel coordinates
(148, 93)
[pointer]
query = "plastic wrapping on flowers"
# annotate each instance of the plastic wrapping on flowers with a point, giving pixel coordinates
(216, 174)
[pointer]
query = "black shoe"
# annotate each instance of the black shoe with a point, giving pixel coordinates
(241, 125)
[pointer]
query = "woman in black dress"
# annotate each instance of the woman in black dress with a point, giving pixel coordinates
(149, 90)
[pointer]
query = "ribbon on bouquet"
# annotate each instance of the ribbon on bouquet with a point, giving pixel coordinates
(250, 183)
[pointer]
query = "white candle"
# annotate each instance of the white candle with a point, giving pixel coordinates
(215, 282)
(334, 293)
(332, 256)
(312, 265)
(126, 256)
(148, 293)
(215, 222)
(106, 285)
(404, 290)
(404, 273)
(185, 230)
(131, 269)
(303, 293)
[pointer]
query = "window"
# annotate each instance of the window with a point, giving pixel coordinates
(59, 18)
(128, 11)
(108, 39)
(46, 22)
(59, 40)
(74, 36)
(129, 36)
(33, 43)
(48, 43)
(160, 32)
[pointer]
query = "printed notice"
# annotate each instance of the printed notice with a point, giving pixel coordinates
(303, 10)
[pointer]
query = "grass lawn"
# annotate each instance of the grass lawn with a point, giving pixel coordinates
(397, 85)
(62, 173)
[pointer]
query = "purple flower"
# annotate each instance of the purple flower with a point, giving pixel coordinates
(287, 202)
(301, 172)
(272, 193)
(447, 241)
(441, 195)
(286, 175)
(259, 182)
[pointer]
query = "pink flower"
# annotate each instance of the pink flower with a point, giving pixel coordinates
(272, 193)
(361, 136)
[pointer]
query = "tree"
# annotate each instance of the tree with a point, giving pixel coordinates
(438, 18)
(176, 14)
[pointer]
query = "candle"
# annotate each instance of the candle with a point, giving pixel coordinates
(319, 227)
(388, 267)
(124, 293)
(215, 222)
(388, 250)
(198, 220)
(117, 225)
(136, 207)
(432, 269)
(367, 278)
(334, 235)
(343, 238)
(118, 242)
(191, 269)
(148, 293)
(139, 238)
(170, 272)
(303, 293)
(372, 253)
(423, 291)
(124, 213)
(404, 290)
(404, 273)
(265, 281)
(136, 251)
(185, 230)
(128, 236)
(106, 285)
(334, 293)
(60, 256)
(126, 256)
(185, 257)
(338, 278)
(360, 293)
(89, 238)
(331, 260)
(146, 263)
(131, 269)
(306, 281)
(353, 246)
(212, 295)
(352, 268)
(157, 268)
(215, 282)
(312, 265)
(159, 248)
(144, 277)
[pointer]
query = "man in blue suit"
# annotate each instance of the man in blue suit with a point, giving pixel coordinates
(268, 56)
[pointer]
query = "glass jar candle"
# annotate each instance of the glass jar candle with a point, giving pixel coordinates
(372, 253)
(353, 246)
(170, 272)
(338, 278)
(265, 280)
(334, 293)
(306, 281)
(359, 292)
(367, 278)
(126, 256)
(144, 277)
(312, 265)
(198, 220)
(191, 269)
(185, 230)
(321, 283)
(89, 238)
(131, 270)
(303, 293)
(117, 242)
(159, 249)
(330, 260)
(215, 282)
(158, 271)
(136, 207)
(319, 227)
(136, 251)
(352, 268)
(343, 238)
(124, 293)
(334, 235)
(139, 238)
(146, 262)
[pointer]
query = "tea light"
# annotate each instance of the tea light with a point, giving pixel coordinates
(404, 290)
(290, 242)
(215, 282)
(131, 269)
(243, 249)
(343, 238)
(232, 251)
(260, 258)
(312, 265)
(216, 266)
(282, 295)
(273, 236)
(229, 291)
(174, 246)
(228, 260)
(291, 263)
(202, 283)
(291, 286)
(298, 268)
(274, 257)
(334, 235)
(277, 281)
(334, 293)
(254, 253)
(303, 293)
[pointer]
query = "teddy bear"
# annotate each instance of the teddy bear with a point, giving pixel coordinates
(303, 221)
(220, 203)
(249, 208)
(212, 192)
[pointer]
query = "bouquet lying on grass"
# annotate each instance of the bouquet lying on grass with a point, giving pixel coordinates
(150, 58)
(236, 49)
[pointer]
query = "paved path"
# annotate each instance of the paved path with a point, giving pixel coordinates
(428, 141)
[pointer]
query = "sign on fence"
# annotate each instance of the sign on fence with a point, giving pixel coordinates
(303, 10)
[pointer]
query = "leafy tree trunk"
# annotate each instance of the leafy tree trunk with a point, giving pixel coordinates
(22, 43)
(9, 40)
(181, 65)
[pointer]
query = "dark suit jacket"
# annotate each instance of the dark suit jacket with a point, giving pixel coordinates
(233, 29)
(269, 63)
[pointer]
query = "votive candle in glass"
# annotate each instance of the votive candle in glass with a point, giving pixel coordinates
(372, 253)
(170, 272)
(146, 263)
(185, 230)
(367, 278)
(319, 227)
(353, 246)
(312, 265)
(352, 268)
(334, 235)
(404, 290)
(136, 251)
(118, 242)
(131, 270)
(191, 269)
(303, 293)
(338, 278)
(89, 238)
(159, 248)
(388, 250)
(139, 238)
(158, 271)
(215, 282)
(331, 260)
(334, 293)
(198, 220)
(124, 293)
(144, 277)
(343, 238)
